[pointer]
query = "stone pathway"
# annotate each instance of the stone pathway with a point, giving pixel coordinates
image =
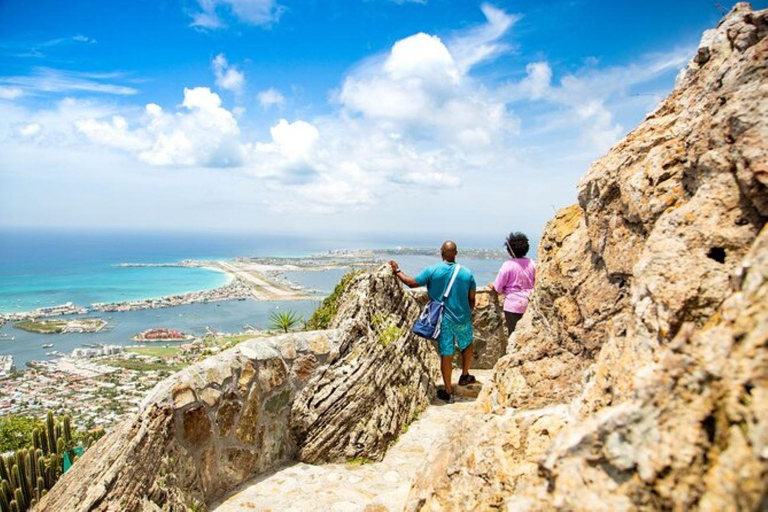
(372, 487)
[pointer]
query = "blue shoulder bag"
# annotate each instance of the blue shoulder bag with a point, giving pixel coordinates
(428, 324)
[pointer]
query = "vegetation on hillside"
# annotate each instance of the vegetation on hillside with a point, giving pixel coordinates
(28, 473)
(323, 315)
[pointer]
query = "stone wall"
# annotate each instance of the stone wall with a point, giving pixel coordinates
(200, 432)
(638, 377)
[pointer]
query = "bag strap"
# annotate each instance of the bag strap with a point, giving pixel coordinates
(450, 283)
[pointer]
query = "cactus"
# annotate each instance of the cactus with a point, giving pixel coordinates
(21, 489)
(28, 474)
(20, 467)
(19, 499)
(36, 443)
(50, 432)
(5, 473)
(7, 490)
(5, 505)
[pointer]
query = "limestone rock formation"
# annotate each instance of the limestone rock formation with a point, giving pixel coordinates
(200, 432)
(638, 378)
(380, 378)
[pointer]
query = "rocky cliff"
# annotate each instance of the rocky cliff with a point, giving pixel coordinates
(638, 377)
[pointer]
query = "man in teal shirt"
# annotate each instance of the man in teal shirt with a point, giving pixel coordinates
(456, 327)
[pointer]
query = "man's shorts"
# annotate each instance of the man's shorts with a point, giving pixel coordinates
(452, 334)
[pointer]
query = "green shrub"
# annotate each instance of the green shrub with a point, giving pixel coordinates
(323, 315)
(284, 321)
(16, 431)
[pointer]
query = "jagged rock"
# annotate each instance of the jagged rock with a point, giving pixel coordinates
(199, 433)
(377, 381)
(645, 347)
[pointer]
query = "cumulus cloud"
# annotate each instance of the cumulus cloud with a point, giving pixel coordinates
(271, 98)
(202, 134)
(227, 76)
(411, 117)
(252, 12)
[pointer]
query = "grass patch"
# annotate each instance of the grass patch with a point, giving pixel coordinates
(359, 461)
(162, 352)
(140, 365)
(386, 329)
(323, 315)
(42, 326)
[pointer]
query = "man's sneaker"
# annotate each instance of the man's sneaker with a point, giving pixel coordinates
(467, 379)
(444, 396)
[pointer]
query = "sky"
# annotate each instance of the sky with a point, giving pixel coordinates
(309, 117)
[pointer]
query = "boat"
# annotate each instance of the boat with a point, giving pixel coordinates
(47, 345)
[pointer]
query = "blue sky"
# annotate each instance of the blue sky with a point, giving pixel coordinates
(323, 116)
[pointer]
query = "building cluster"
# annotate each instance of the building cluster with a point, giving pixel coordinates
(160, 334)
(235, 289)
(78, 387)
(104, 350)
(6, 366)
(62, 309)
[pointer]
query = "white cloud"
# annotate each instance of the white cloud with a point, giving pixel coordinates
(49, 80)
(203, 134)
(587, 94)
(227, 76)
(79, 38)
(411, 118)
(251, 12)
(10, 93)
(482, 43)
(271, 98)
(428, 179)
(30, 130)
(294, 139)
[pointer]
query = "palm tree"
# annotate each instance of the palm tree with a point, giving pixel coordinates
(284, 321)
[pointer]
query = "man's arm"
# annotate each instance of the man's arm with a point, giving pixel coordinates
(402, 276)
(471, 299)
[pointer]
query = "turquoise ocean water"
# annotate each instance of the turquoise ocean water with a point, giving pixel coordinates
(41, 268)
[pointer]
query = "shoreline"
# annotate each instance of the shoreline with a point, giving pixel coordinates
(251, 283)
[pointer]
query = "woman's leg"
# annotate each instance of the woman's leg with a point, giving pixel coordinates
(511, 319)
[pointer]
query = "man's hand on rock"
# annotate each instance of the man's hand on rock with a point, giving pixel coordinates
(394, 265)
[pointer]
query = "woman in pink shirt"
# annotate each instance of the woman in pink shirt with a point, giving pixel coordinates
(516, 279)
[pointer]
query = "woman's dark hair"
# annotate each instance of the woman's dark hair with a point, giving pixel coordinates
(517, 244)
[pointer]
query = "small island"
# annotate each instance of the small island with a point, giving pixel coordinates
(161, 334)
(59, 326)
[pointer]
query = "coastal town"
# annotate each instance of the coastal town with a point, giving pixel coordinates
(96, 386)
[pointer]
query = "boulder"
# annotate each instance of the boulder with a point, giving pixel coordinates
(638, 377)
(375, 383)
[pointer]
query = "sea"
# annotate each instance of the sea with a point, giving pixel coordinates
(50, 267)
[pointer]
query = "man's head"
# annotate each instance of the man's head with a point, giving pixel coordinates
(448, 251)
